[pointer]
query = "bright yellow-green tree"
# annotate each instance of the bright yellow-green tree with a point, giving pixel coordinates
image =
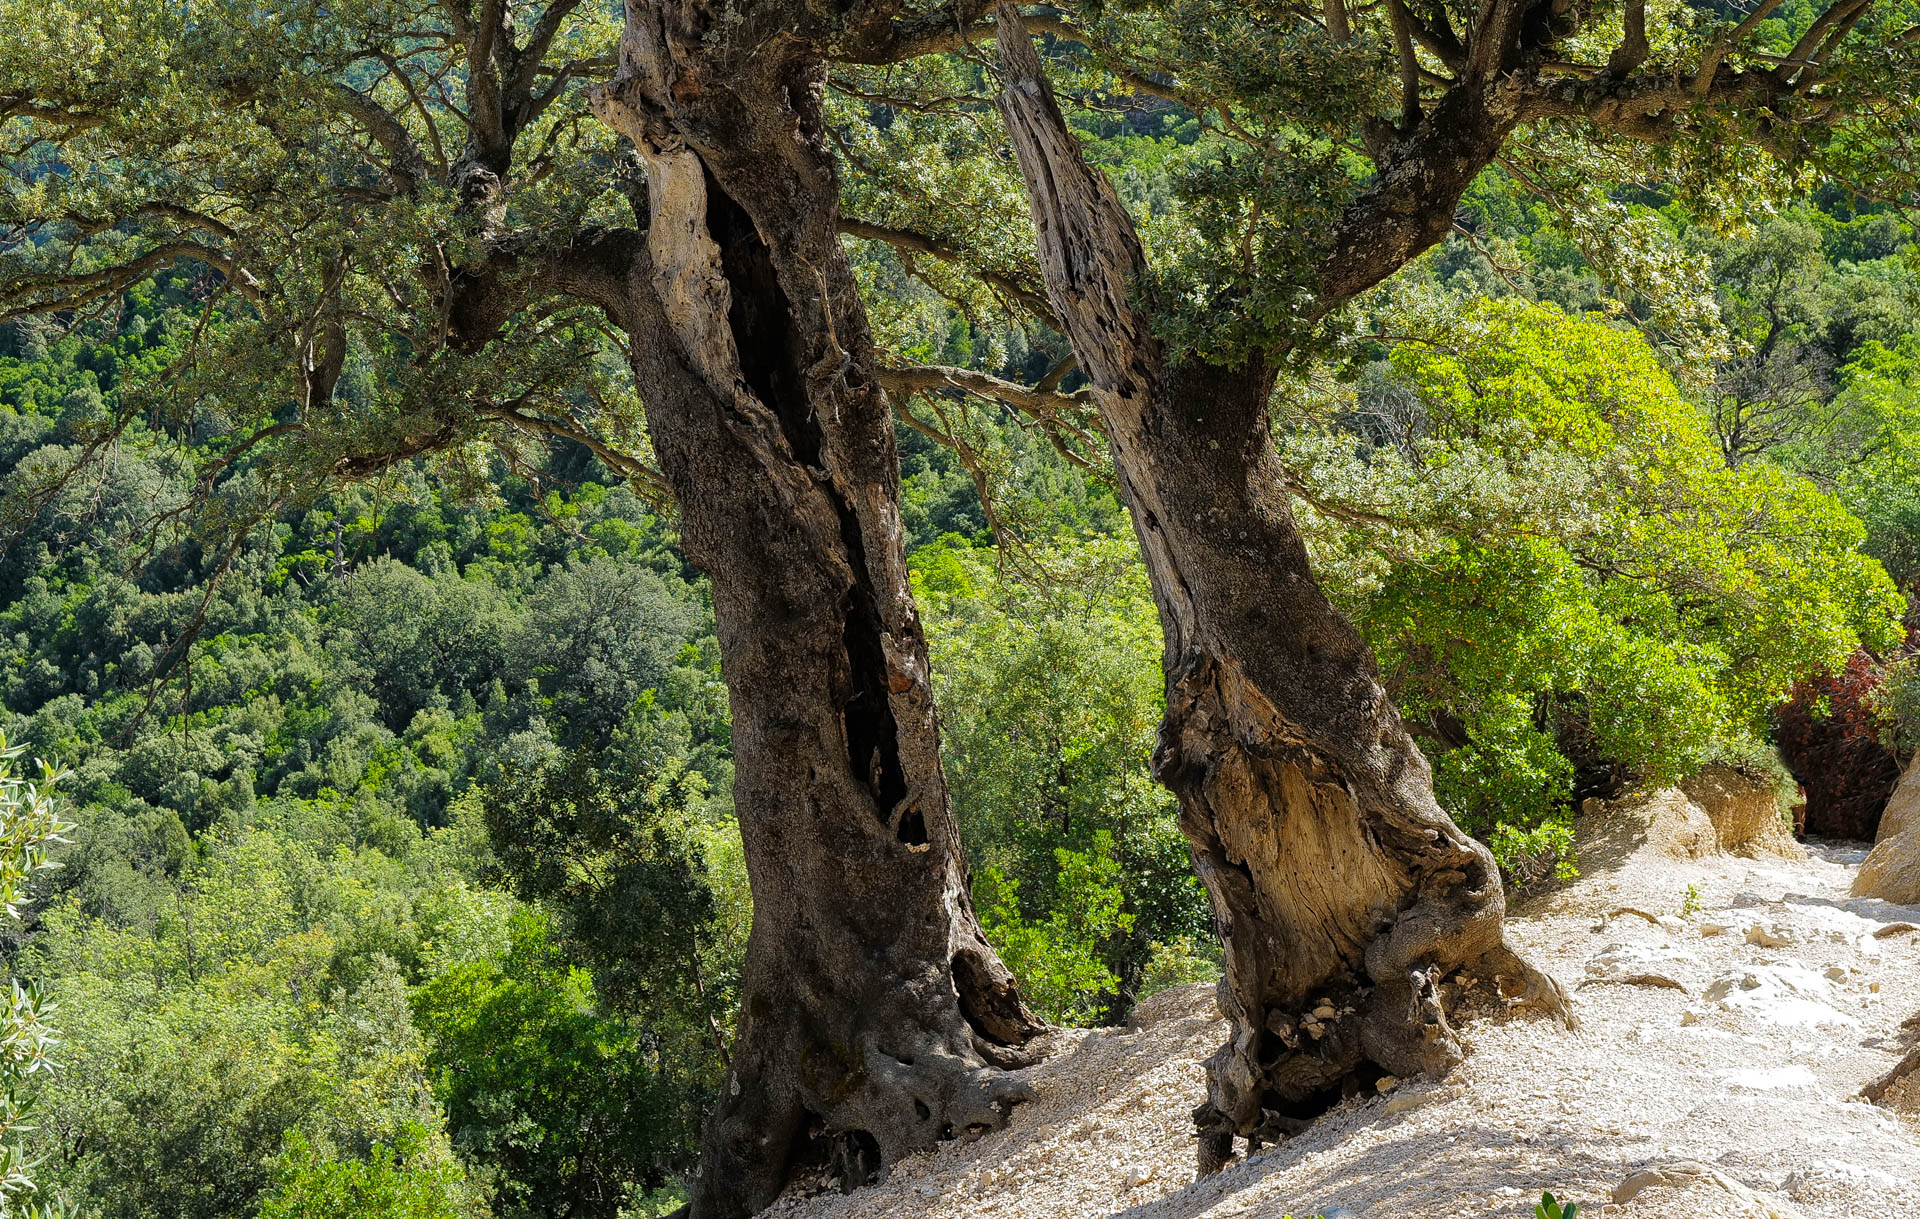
(1539, 536)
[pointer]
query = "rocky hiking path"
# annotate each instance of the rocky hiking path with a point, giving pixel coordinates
(1731, 1007)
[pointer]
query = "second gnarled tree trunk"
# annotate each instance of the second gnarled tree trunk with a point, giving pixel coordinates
(1346, 898)
(875, 1019)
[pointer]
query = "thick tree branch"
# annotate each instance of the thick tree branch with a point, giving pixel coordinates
(419, 107)
(953, 40)
(1089, 252)
(920, 243)
(323, 355)
(1710, 62)
(1051, 410)
(1058, 373)
(407, 167)
(489, 143)
(1645, 106)
(1492, 39)
(92, 225)
(905, 381)
(649, 481)
(1816, 33)
(25, 107)
(1632, 51)
(534, 53)
(879, 37)
(353, 467)
(1336, 17)
(594, 268)
(1409, 65)
(1409, 206)
(1439, 40)
(34, 294)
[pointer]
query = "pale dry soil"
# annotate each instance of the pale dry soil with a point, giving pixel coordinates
(1742, 1056)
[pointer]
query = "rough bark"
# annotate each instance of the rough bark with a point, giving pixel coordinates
(875, 1019)
(1337, 881)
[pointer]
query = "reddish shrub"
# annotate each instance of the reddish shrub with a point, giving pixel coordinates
(1830, 737)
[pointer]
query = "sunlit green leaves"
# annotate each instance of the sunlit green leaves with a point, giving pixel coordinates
(1058, 958)
(1537, 528)
(30, 826)
(1235, 263)
(1050, 692)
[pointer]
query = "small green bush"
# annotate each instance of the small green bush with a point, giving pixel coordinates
(1057, 957)
(1551, 1208)
(391, 1183)
(1178, 962)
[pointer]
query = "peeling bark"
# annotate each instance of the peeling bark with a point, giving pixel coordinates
(1339, 885)
(875, 1019)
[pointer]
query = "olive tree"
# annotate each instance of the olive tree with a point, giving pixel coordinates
(1335, 144)
(412, 237)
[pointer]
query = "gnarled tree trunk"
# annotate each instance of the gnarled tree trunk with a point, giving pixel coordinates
(1347, 899)
(875, 1019)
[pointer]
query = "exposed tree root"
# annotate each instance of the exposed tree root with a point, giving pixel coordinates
(1881, 1086)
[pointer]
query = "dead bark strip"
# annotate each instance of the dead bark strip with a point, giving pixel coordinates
(1353, 911)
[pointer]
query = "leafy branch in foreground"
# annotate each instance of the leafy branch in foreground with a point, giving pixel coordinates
(30, 826)
(1551, 1208)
